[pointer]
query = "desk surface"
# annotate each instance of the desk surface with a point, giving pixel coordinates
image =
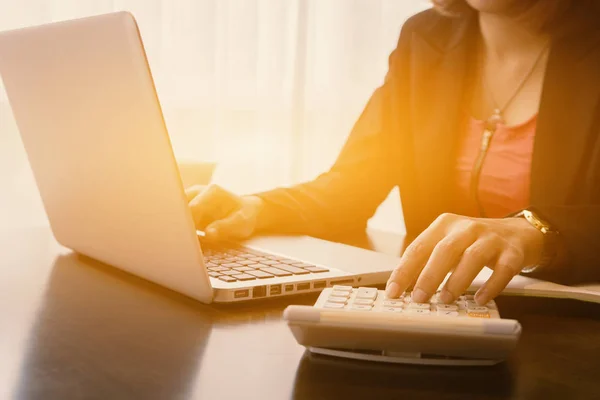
(71, 328)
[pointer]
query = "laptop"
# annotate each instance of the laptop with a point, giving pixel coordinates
(86, 107)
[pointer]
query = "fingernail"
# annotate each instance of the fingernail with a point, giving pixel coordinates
(446, 297)
(392, 290)
(481, 297)
(420, 296)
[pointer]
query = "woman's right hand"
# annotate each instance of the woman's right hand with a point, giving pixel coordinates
(223, 215)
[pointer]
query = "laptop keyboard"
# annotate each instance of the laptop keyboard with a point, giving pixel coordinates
(240, 264)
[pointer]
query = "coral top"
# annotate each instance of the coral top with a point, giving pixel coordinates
(506, 172)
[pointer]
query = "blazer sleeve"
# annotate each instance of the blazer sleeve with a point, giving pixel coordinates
(346, 196)
(579, 229)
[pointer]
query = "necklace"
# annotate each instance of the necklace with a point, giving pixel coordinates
(496, 117)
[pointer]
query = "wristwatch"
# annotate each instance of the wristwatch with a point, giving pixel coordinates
(551, 239)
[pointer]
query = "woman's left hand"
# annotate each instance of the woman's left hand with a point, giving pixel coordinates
(464, 246)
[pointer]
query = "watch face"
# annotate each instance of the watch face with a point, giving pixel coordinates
(536, 221)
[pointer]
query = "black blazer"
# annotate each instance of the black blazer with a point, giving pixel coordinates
(407, 137)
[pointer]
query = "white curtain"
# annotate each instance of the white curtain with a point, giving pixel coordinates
(268, 89)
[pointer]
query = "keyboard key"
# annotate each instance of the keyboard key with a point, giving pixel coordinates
(287, 261)
(316, 270)
(258, 266)
(419, 306)
(229, 272)
(334, 305)
(217, 269)
(393, 303)
(443, 313)
(244, 269)
(302, 265)
(269, 262)
(293, 270)
(231, 265)
(214, 274)
(366, 293)
(227, 278)
(359, 307)
(336, 299)
(259, 274)
(244, 277)
(364, 302)
(211, 265)
(258, 259)
(276, 271)
(246, 262)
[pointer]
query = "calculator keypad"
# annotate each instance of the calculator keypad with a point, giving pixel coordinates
(372, 300)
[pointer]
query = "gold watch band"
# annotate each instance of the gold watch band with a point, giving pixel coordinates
(551, 238)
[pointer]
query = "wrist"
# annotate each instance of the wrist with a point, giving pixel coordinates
(257, 206)
(550, 240)
(533, 242)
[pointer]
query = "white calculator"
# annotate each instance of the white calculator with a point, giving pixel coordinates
(362, 323)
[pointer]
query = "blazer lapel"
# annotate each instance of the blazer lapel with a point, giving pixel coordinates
(568, 109)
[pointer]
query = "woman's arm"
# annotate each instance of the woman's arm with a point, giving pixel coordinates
(346, 196)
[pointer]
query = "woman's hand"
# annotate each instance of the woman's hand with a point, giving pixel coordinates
(464, 246)
(223, 215)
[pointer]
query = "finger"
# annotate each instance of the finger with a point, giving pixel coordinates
(235, 226)
(414, 258)
(480, 253)
(212, 204)
(508, 265)
(193, 191)
(445, 256)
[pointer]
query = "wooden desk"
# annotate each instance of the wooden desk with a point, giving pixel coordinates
(71, 328)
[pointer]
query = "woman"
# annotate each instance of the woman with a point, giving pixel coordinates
(489, 122)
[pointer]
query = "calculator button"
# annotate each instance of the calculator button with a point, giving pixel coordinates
(366, 293)
(359, 307)
(417, 311)
(340, 293)
(447, 307)
(393, 303)
(336, 299)
(342, 288)
(419, 306)
(478, 314)
(333, 305)
(392, 309)
(363, 302)
(477, 309)
(445, 313)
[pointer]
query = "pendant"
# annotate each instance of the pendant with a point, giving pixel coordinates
(492, 122)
